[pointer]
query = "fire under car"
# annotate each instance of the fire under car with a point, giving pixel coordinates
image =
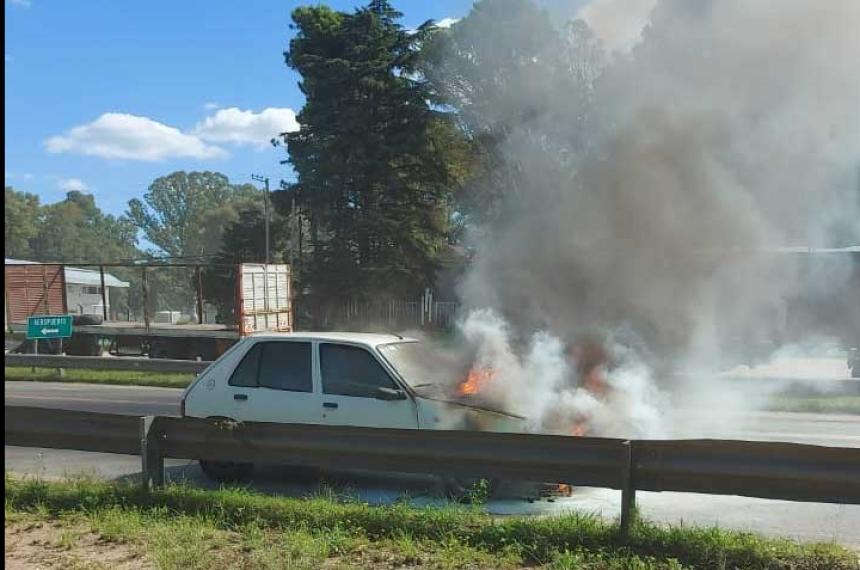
(354, 379)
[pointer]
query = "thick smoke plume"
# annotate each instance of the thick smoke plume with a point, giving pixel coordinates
(539, 383)
(649, 188)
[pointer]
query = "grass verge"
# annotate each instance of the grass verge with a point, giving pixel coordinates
(817, 404)
(185, 527)
(117, 377)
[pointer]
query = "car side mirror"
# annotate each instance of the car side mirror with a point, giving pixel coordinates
(389, 394)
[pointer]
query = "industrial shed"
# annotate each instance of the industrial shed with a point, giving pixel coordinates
(27, 290)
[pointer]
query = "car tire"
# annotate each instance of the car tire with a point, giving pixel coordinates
(227, 471)
(464, 489)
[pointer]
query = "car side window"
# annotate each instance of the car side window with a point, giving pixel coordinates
(276, 365)
(286, 366)
(245, 374)
(351, 371)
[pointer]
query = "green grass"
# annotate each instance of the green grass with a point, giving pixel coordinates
(186, 527)
(816, 404)
(118, 377)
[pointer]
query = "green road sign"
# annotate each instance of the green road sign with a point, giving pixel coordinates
(49, 326)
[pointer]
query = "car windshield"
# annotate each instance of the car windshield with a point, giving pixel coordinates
(423, 366)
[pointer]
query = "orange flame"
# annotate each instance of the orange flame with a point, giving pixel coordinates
(475, 381)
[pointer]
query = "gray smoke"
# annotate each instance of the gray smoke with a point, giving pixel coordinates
(644, 187)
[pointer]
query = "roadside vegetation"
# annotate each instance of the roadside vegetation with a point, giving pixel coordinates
(117, 377)
(816, 404)
(184, 527)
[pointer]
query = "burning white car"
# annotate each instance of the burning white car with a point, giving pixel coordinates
(356, 379)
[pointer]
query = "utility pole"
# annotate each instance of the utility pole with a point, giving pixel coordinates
(265, 180)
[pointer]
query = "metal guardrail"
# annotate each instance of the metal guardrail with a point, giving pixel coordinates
(67, 429)
(580, 461)
(106, 363)
(771, 470)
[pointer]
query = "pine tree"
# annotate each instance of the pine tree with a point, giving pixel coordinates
(373, 158)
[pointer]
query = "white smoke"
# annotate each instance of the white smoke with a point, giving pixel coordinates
(641, 192)
(618, 23)
(538, 383)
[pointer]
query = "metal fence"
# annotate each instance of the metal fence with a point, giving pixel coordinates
(158, 293)
(757, 469)
(423, 312)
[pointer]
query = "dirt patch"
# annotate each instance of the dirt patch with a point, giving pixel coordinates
(32, 545)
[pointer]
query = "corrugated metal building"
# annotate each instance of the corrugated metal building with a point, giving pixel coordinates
(32, 288)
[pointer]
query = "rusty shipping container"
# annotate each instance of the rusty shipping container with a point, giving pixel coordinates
(32, 289)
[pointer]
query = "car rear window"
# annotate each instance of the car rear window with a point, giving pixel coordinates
(245, 374)
(276, 365)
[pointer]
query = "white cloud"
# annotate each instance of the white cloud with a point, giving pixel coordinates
(9, 175)
(618, 23)
(72, 185)
(233, 125)
(131, 137)
(211, 106)
(24, 3)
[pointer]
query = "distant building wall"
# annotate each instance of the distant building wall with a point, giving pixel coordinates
(85, 299)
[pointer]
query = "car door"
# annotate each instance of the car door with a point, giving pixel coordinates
(358, 391)
(274, 383)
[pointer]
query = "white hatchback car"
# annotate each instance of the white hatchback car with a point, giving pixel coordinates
(356, 379)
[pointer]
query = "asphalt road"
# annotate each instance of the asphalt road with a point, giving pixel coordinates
(837, 430)
(128, 400)
(806, 521)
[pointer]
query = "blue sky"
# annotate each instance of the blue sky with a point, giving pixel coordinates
(137, 82)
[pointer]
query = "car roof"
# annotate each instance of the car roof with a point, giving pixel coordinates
(368, 339)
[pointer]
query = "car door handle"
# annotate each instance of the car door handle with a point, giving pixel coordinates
(240, 396)
(329, 405)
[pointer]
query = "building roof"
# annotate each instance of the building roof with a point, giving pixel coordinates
(78, 276)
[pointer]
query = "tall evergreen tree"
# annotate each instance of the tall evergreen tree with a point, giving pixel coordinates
(506, 68)
(373, 158)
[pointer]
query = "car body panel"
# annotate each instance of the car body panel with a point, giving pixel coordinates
(211, 395)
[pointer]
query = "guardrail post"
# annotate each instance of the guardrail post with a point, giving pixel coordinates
(151, 460)
(628, 493)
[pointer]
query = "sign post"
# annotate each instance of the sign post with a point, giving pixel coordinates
(49, 326)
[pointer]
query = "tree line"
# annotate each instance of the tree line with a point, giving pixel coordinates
(184, 217)
(399, 154)
(402, 145)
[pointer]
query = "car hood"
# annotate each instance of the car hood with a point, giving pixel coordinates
(437, 395)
